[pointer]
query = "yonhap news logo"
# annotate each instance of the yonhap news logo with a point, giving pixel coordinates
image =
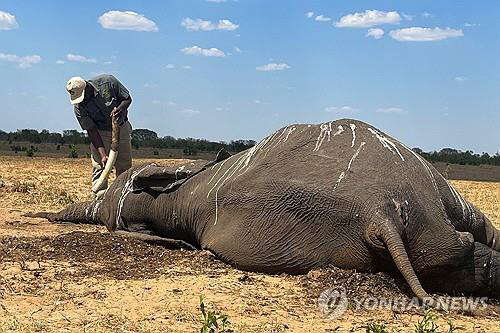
(334, 302)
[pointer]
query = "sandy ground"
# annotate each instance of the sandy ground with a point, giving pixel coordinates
(76, 278)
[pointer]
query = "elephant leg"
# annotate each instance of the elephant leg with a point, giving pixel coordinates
(156, 240)
(482, 229)
(478, 272)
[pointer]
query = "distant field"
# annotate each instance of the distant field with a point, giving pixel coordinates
(450, 171)
(52, 150)
(469, 172)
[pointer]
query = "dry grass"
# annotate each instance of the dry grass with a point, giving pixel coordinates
(484, 195)
(51, 294)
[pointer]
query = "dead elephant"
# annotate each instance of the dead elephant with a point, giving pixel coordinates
(340, 193)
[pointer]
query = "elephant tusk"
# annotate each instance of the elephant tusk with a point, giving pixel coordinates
(113, 154)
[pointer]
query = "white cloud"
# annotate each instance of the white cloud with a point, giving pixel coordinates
(340, 109)
(227, 25)
(389, 110)
(376, 33)
(426, 14)
(7, 21)
(418, 34)
(198, 24)
(272, 67)
(60, 62)
(150, 85)
(471, 24)
(257, 101)
(186, 67)
(217, 1)
(22, 62)
(118, 20)
(198, 51)
(237, 49)
(310, 14)
(170, 66)
(203, 25)
(189, 111)
(79, 58)
(460, 78)
(368, 18)
(322, 18)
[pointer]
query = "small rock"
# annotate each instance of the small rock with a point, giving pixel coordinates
(314, 274)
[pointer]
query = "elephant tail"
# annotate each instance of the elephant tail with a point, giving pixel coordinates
(80, 213)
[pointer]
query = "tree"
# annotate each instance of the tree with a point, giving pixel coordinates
(142, 134)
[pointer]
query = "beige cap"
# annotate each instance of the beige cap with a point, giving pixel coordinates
(76, 89)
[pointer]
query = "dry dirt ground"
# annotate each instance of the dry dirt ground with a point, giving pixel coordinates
(77, 278)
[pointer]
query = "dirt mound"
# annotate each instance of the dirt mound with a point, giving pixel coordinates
(96, 254)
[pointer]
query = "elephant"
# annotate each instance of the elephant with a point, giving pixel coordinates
(339, 193)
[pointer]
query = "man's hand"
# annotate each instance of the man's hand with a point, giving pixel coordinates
(104, 160)
(120, 113)
(104, 156)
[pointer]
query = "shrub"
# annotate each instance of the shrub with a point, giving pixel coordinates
(73, 153)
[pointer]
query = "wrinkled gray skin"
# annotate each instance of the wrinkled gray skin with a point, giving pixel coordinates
(340, 193)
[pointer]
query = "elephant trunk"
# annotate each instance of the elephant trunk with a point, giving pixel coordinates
(395, 245)
(82, 212)
(113, 154)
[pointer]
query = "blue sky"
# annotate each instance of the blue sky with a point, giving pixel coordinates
(426, 72)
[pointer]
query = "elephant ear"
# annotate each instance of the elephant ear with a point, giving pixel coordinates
(221, 156)
(157, 179)
(164, 179)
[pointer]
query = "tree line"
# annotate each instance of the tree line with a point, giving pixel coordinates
(140, 138)
(190, 146)
(454, 156)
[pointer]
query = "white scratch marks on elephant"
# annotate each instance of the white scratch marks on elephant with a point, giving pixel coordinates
(458, 197)
(127, 188)
(387, 143)
(353, 129)
(226, 172)
(254, 150)
(290, 131)
(234, 167)
(343, 173)
(283, 137)
(216, 172)
(282, 133)
(428, 170)
(325, 131)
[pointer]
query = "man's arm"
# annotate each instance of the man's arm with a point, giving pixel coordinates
(89, 125)
(121, 111)
(96, 140)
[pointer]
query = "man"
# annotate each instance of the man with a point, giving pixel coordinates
(95, 102)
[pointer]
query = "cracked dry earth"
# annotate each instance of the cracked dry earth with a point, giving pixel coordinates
(77, 278)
